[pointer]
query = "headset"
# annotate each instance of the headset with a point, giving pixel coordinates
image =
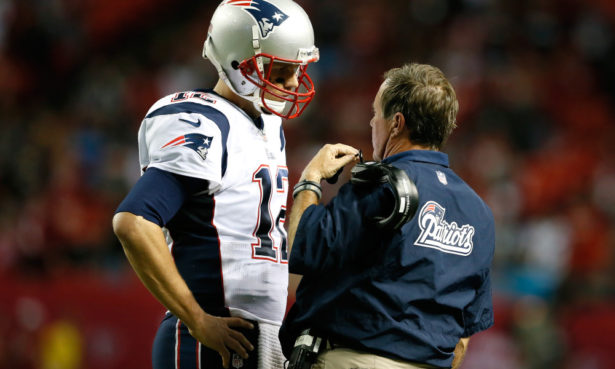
(371, 174)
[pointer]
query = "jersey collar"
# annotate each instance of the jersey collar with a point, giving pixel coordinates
(258, 122)
(427, 156)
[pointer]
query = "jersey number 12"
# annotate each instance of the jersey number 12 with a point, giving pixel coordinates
(264, 247)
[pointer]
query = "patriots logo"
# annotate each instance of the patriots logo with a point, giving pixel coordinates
(196, 141)
(441, 235)
(266, 15)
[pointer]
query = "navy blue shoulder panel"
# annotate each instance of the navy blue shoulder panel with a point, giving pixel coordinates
(211, 113)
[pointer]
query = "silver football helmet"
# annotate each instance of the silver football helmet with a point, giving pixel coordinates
(245, 39)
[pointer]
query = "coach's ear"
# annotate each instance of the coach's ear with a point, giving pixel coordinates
(398, 124)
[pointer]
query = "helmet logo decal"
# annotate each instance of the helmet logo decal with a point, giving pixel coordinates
(266, 15)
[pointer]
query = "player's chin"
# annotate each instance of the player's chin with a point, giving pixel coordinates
(276, 98)
(280, 107)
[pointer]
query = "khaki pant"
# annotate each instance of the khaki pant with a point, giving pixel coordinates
(345, 358)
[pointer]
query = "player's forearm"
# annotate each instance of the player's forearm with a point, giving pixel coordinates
(146, 250)
(460, 352)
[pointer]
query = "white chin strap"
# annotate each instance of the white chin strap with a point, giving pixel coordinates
(277, 106)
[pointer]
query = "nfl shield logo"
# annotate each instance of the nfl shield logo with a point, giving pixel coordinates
(237, 361)
(441, 177)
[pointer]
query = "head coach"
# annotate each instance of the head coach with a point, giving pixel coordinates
(396, 267)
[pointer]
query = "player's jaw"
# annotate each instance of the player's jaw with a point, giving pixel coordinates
(285, 87)
(284, 78)
(280, 93)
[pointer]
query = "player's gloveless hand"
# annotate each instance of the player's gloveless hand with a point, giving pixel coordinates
(328, 160)
(218, 334)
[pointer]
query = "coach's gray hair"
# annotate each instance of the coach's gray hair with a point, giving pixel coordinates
(426, 99)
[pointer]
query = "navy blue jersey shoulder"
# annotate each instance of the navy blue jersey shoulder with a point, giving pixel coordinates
(211, 113)
(418, 290)
(158, 195)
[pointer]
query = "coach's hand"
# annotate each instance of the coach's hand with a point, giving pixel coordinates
(218, 334)
(328, 160)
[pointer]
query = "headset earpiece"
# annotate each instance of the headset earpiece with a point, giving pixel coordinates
(404, 190)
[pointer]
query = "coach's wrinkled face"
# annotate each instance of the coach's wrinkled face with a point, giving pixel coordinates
(381, 127)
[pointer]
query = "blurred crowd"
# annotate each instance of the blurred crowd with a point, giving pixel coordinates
(536, 86)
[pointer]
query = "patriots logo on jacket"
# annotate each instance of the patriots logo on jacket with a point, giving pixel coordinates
(267, 15)
(439, 234)
(196, 141)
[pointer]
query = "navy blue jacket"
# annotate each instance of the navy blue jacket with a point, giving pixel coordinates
(409, 294)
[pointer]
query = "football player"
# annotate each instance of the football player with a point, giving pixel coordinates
(204, 226)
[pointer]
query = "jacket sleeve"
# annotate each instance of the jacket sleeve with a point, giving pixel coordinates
(340, 233)
(478, 315)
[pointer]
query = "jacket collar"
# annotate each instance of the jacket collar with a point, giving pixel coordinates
(427, 156)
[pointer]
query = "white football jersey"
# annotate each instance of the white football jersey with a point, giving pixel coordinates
(229, 242)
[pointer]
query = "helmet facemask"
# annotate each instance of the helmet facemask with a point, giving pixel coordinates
(278, 100)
